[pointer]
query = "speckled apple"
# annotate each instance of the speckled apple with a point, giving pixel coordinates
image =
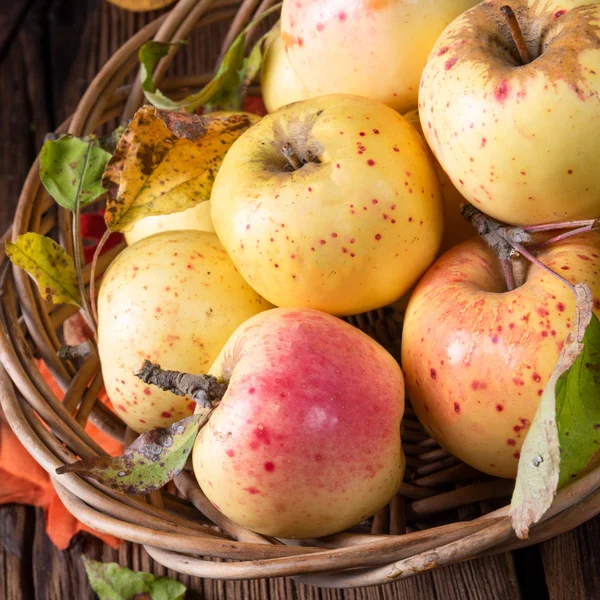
(476, 358)
(351, 227)
(279, 83)
(173, 298)
(520, 142)
(372, 48)
(197, 217)
(306, 440)
(456, 228)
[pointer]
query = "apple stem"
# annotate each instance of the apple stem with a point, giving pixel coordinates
(524, 252)
(205, 390)
(589, 224)
(290, 155)
(507, 269)
(517, 34)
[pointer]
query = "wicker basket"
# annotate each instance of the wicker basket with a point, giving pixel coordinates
(445, 511)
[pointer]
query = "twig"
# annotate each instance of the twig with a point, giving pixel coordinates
(507, 269)
(81, 351)
(101, 244)
(77, 242)
(206, 390)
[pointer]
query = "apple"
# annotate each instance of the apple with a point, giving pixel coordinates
(520, 141)
(173, 298)
(197, 217)
(456, 228)
(347, 222)
(306, 440)
(476, 357)
(279, 83)
(372, 48)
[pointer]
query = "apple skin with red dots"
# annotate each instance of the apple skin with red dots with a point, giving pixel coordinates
(372, 48)
(519, 141)
(173, 298)
(306, 440)
(351, 227)
(476, 358)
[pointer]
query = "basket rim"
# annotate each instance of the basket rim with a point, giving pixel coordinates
(179, 542)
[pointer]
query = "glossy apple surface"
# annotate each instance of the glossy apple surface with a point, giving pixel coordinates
(173, 298)
(520, 142)
(372, 48)
(476, 358)
(279, 83)
(306, 440)
(352, 228)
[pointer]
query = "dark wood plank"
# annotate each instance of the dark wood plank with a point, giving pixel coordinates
(571, 563)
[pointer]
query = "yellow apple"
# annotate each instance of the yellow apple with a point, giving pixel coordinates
(279, 83)
(197, 217)
(456, 228)
(372, 48)
(520, 141)
(173, 298)
(476, 357)
(347, 223)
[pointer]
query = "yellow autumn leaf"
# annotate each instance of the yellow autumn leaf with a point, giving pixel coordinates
(48, 264)
(166, 162)
(141, 5)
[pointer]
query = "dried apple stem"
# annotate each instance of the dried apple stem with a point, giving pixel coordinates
(290, 155)
(205, 390)
(507, 269)
(517, 34)
(81, 351)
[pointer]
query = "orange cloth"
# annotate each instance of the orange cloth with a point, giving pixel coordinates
(25, 482)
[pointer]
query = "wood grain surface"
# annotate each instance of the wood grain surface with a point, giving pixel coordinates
(49, 51)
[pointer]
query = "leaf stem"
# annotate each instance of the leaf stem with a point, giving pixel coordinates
(524, 252)
(590, 223)
(517, 33)
(101, 244)
(77, 244)
(564, 236)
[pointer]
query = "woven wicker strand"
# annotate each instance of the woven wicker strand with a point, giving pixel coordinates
(421, 528)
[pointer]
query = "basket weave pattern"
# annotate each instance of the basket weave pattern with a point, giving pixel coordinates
(445, 511)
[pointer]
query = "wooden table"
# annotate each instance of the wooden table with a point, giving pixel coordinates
(49, 51)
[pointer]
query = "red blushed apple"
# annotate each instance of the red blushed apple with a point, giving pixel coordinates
(476, 357)
(306, 440)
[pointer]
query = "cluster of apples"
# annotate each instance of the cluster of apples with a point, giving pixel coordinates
(334, 204)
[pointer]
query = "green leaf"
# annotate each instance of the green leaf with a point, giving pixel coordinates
(225, 91)
(149, 463)
(150, 54)
(62, 165)
(578, 408)
(540, 463)
(112, 582)
(49, 265)
(255, 59)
